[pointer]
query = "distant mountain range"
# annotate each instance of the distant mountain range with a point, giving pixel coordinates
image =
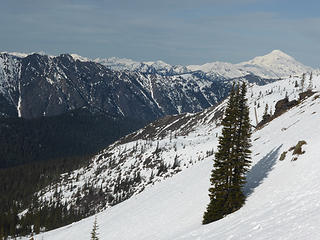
(39, 85)
(276, 64)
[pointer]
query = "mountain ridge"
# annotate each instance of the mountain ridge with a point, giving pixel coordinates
(265, 66)
(61, 83)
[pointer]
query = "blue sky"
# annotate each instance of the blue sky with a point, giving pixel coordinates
(175, 31)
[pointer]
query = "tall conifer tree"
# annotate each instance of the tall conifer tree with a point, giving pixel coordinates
(231, 160)
(241, 152)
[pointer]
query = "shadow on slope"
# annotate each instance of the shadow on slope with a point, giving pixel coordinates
(260, 171)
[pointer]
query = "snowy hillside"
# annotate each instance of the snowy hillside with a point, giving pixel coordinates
(156, 152)
(270, 94)
(169, 163)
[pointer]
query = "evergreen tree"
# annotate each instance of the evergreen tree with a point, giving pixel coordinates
(94, 232)
(266, 109)
(310, 82)
(303, 78)
(231, 160)
(266, 114)
(241, 159)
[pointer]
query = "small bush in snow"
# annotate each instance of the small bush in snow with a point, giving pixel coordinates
(298, 148)
(283, 156)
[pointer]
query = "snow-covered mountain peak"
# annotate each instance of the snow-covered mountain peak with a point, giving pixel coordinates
(275, 64)
(164, 68)
(277, 61)
(277, 54)
(23, 55)
(116, 63)
(158, 64)
(80, 58)
(274, 57)
(16, 54)
(225, 69)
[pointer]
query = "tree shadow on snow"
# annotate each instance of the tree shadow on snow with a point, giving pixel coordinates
(260, 171)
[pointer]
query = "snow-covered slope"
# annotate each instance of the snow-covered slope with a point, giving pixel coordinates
(282, 198)
(276, 64)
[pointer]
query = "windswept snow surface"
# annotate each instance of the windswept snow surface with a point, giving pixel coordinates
(283, 196)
